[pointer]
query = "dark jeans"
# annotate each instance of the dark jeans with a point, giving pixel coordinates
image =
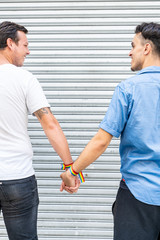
(19, 204)
(135, 220)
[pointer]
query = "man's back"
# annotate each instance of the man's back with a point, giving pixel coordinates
(19, 92)
(135, 108)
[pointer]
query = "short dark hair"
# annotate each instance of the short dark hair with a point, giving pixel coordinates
(150, 31)
(9, 30)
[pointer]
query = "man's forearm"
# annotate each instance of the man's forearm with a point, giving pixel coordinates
(54, 133)
(59, 142)
(93, 150)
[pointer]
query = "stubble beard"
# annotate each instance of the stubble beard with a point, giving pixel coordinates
(137, 67)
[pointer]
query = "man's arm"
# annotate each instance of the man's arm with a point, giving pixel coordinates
(54, 133)
(58, 141)
(92, 151)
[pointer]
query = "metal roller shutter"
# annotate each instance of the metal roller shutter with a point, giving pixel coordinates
(79, 52)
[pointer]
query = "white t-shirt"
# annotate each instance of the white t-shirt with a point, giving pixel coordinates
(20, 93)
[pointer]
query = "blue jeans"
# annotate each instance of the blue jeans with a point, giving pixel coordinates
(19, 204)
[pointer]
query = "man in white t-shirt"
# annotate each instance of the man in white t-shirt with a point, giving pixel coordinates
(20, 93)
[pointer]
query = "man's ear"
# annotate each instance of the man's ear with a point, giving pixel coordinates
(10, 43)
(147, 48)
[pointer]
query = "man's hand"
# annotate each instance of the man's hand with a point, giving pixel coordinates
(69, 183)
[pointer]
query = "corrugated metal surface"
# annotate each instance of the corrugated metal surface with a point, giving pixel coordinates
(79, 52)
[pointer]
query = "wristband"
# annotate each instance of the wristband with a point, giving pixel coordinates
(74, 173)
(63, 166)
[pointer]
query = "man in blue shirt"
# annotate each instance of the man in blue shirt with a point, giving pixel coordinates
(134, 115)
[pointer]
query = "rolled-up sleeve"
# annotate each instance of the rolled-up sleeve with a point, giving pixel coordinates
(117, 114)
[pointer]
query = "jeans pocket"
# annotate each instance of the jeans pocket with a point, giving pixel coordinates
(20, 195)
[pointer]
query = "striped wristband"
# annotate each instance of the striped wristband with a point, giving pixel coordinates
(63, 166)
(74, 173)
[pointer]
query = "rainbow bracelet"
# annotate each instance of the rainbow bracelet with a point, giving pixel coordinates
(63, 166)
(74, 173)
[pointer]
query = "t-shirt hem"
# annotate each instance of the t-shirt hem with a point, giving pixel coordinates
(13, 177)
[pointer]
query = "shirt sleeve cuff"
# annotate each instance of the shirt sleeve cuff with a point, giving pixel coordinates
(109, 130)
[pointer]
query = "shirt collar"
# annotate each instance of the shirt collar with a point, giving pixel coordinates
(150, 69)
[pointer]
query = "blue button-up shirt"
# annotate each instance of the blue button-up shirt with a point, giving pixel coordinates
(134, 115)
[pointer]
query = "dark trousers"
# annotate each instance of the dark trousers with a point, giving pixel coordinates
(19, 204)
(135, 220)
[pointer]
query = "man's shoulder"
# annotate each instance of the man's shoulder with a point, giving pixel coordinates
(128, 83)
(21, 73)
(21, 70)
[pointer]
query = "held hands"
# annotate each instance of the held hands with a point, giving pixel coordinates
(70, 183)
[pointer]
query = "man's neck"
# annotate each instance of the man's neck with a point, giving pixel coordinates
(4, 58)
(153, 61)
